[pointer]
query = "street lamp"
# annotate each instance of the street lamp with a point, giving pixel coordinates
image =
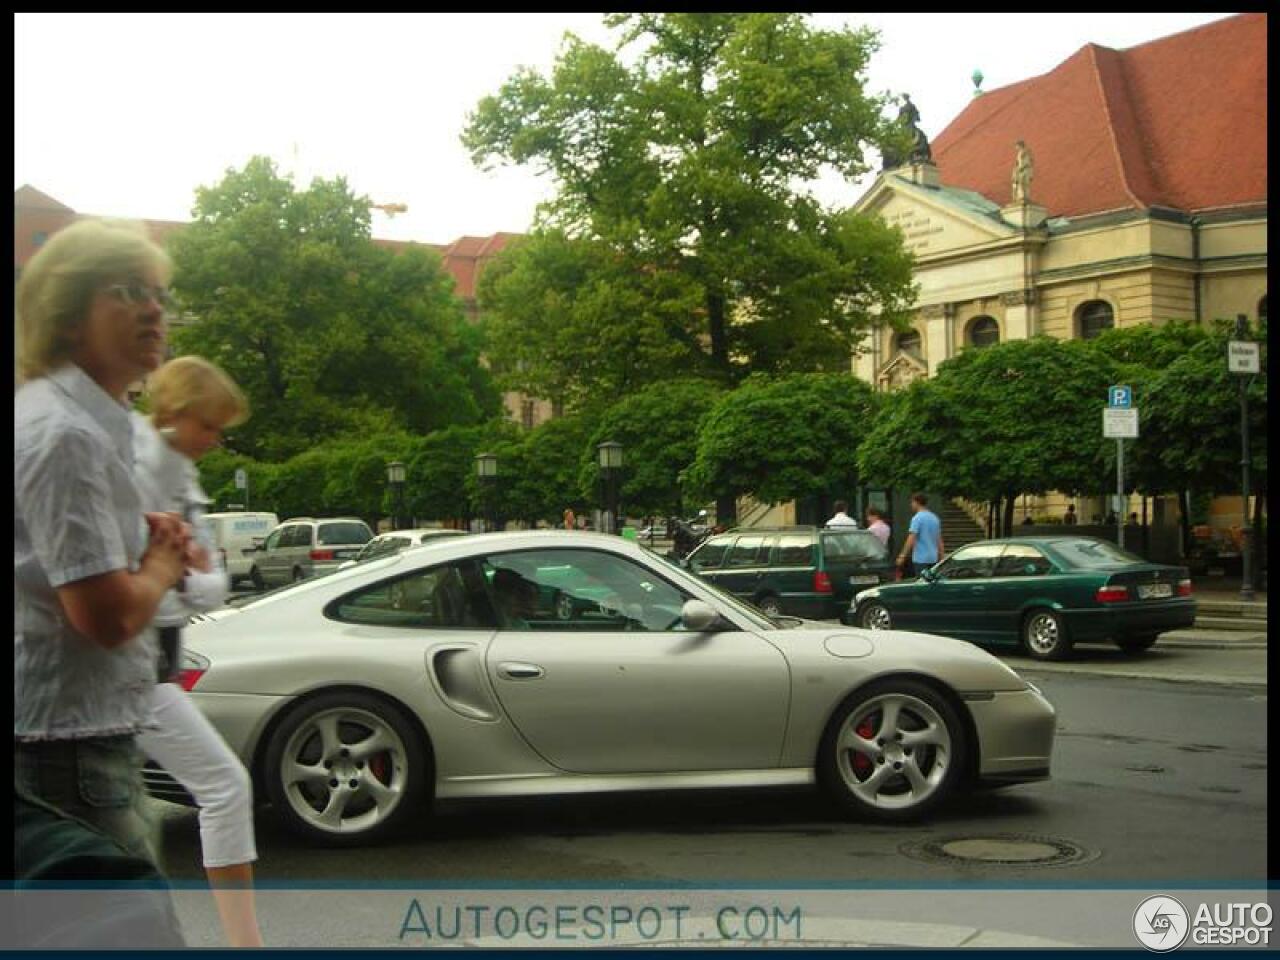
(395, 478)
(609, 456)
(487, 474)
(1243, 358)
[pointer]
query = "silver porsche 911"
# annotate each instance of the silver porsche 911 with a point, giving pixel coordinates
(559, 662)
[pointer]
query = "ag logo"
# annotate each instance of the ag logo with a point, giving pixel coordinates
(1161, 923)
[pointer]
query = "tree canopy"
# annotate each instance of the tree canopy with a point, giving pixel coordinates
(679, 183)
(327, 333)
(785, 438)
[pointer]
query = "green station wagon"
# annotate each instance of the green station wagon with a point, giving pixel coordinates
(1043, 592)
(810, 572)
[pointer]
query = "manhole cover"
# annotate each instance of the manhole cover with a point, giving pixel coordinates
(1012, 849)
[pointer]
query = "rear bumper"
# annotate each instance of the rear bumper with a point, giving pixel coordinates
(1015, 736)
(1132, 619)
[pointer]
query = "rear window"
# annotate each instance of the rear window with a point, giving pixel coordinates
(853, 545)
(795, 550)
(333, 534)
(1093, 553)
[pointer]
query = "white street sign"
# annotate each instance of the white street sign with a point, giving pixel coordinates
(242, 479)
(1120, 423)
(1243, 356)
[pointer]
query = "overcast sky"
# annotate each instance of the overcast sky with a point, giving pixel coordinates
(125, 115)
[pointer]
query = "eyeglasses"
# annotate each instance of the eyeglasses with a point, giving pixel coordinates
(137, 294)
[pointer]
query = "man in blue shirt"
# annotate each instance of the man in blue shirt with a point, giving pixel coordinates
(924, 540)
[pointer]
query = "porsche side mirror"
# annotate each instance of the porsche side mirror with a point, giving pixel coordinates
(699, 616)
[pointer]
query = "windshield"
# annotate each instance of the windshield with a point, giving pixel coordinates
(1087, 552)
(757, 619)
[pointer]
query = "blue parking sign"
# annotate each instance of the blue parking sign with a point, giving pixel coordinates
(1120, 396)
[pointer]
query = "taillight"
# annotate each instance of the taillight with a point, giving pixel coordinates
(1184, 588)
(321, 554)
(190, 677)
(1112, 594)
(821, 582)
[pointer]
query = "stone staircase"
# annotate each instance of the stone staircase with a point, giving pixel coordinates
(1239, 615)
(958, 528)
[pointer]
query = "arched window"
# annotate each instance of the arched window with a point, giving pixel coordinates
(983, 332)
(909, 342)
(1095, 316)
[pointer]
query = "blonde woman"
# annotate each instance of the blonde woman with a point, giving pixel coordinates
(89, 568)
(192, 402)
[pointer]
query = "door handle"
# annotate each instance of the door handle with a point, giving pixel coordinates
(520, 671)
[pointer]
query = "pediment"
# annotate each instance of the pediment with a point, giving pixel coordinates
(935, 220)
(902, 370)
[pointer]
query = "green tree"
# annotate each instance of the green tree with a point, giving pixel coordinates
(1018, 417)
(679, 183)
(327, 333)
(440, 472)
(658, 430)
(780, 439)
(540, 470)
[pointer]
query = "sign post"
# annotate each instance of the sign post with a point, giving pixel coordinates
(242, 483)
(1120, 421)
(1244, 358)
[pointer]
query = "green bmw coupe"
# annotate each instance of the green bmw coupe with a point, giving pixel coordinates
(1046, 593)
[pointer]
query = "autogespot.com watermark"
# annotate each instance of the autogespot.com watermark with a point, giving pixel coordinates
(1162, 923)
(562, 923)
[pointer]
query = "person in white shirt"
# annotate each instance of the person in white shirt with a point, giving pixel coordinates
(192, 401)
(877, 525)
(842, 518)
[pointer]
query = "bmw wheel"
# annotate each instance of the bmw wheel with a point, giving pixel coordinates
(893, 751)
(1045, 635)
(875, 616)
(346, 768)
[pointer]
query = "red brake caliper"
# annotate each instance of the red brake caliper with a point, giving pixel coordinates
(378, 767)
(861, 762)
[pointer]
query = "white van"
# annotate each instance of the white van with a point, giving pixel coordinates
(236, 532)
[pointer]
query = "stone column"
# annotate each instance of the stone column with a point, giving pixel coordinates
(1019, 314)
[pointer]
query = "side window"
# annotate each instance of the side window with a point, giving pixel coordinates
(795, 550)
(709, 556)
(450, 596)
(274, 539)
(302, 535)
(972, 562)
(579, 590)
(745, 550)
(1022, 560)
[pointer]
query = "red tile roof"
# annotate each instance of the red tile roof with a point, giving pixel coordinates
(1178, 122)
(37, 213)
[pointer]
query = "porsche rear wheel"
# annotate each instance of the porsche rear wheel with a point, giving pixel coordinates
(893, 751)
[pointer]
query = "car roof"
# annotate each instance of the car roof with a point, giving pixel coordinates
(421, 531)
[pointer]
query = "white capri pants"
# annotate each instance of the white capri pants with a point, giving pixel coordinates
(194, 753)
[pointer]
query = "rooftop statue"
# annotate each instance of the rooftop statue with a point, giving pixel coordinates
(909, 121)
(1023, 168)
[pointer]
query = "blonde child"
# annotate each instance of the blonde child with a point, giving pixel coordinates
(192, 402)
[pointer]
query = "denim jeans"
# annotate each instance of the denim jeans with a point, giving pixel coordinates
(98, 780)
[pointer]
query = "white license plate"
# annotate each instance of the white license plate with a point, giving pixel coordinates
(864, 578)
(1148, 591)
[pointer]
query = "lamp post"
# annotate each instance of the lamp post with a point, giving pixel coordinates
(395, 479)
(487, 474)
(1243, 359)
(609, 456)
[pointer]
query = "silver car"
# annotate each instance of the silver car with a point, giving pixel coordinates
(304, 547)
(385, 544)
(448, 670)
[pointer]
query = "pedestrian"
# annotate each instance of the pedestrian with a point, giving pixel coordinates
(924, 545)
(192, 401)
(876, 524)
(89, 567)
(1070, 516)
(570, 521)
(841, 517)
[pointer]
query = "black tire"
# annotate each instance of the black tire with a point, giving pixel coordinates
(402, 772)
(297, 575)
(770, 605)
(874, 615)
(1044, 635)
(255, 577)
(1136, 645)
(877, 782)
(563, 604)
